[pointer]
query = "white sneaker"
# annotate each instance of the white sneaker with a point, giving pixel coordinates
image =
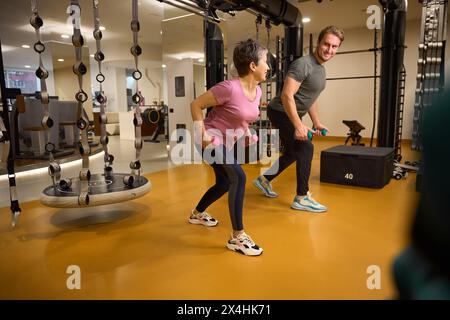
(307, 203)
(264, 185)
(244, 244)
(203, 218)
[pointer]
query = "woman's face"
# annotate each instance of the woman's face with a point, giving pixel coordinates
(260, 70)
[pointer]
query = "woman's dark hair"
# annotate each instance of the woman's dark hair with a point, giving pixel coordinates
(246, 52)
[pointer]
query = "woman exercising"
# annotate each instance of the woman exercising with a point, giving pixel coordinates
(235, 104)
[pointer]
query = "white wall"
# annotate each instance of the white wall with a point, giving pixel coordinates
(115, 88)
(353, 99)
(199, 79)
(165, 86)
(121, 90)
(48, 64)
(181, 105)
(151, 84)
(66, 86)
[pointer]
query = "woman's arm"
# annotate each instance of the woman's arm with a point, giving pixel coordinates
(202, 102)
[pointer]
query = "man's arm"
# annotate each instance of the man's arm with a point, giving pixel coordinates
(314, 115)
(290, 87)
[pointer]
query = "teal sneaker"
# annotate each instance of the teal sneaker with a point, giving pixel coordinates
(264, 185)
(307, 203)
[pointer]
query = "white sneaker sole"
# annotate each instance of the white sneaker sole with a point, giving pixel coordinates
(302, 208)
(203, 223)
(257, 184)
(246, 252)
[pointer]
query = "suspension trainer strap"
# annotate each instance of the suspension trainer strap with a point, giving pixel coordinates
(101, 97)
(205, 34)
(83, 121)
(7, 160)
(258, 23)
(137, 98)
(4, 139)
(269, 90)
(269, 56)
(36, 22)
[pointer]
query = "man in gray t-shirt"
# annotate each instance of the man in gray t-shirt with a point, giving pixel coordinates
(311, 74)
(303, 84)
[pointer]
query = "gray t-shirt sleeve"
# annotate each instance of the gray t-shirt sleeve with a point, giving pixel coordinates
(299, 70)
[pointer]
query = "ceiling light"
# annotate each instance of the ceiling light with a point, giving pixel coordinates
(306, 20)
(61, 60)
(179, 17)
(92, 55)
(201, 60)
(65, 36)
(25, 46)
(102, 28)
(28, 67)
(163, 65)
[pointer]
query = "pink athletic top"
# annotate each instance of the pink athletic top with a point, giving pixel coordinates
(235, 111)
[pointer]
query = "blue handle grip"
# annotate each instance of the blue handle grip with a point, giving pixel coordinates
(310, 134)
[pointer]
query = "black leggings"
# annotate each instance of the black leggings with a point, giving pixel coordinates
(229, 178)
(294, 150)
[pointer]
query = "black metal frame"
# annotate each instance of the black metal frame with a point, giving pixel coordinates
(391, 64)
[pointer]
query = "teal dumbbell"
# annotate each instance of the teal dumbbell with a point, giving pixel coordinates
(310, 134)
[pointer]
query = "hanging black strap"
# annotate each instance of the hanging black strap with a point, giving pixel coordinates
(7, 159)
(269, 89)
(258, 23)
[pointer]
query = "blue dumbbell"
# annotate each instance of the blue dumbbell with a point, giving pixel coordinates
(310, 134)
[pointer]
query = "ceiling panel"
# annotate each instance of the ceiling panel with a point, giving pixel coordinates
(180, 35)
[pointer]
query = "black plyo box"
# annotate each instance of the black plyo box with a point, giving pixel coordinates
(357, 166)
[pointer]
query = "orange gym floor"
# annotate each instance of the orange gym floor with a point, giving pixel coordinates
(146, 249)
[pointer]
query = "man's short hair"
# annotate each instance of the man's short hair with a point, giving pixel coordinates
(333, 30)
(246, 52)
